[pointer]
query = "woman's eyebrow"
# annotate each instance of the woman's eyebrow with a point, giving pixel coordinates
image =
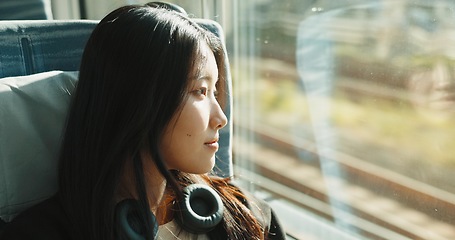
(206, 77)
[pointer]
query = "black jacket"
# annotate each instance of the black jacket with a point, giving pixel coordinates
(47, 221)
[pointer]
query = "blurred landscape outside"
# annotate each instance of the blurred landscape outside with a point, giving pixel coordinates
(392, 95)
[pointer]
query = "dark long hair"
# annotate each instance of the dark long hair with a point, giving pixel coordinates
(132, 81)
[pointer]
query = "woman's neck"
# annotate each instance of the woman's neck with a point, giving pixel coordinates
(155, 185)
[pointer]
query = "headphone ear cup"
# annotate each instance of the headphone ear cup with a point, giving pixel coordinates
(130, 223)
(200, 210)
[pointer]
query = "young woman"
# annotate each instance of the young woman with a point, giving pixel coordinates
(143, 126)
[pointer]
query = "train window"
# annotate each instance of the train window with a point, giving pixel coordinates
(344, 111)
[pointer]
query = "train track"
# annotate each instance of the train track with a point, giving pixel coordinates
(363, 191)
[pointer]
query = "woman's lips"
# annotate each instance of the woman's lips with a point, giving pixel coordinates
(442, 100)
(213, 144)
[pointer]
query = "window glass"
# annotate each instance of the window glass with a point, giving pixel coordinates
(351, 103)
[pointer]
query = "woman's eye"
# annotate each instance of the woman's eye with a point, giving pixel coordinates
(201, 91)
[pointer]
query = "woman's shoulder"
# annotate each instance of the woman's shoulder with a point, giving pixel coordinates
(263, 213)
(45, 220)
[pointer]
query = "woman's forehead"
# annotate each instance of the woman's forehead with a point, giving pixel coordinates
(202, 57)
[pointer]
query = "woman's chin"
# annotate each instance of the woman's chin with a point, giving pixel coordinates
(438, 113)
(201, 169)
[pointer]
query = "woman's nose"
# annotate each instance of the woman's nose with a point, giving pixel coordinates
(217, 119)
(442, 76)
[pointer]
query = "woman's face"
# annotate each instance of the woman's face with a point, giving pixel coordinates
(191, 139)
(434, 90)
